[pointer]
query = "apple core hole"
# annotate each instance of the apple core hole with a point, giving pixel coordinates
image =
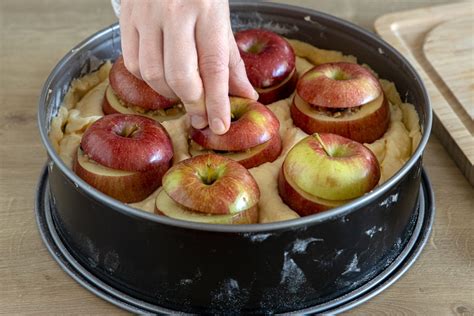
(339, 75)
(209, 181)
(255, 47)
(237, 112)
(128, 131)
(210, 175)
(235, 116)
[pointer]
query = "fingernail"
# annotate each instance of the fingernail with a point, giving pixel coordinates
(255, 95)
(198, 122)
(218, 126)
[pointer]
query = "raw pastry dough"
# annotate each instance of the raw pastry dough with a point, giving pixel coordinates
(82, 107)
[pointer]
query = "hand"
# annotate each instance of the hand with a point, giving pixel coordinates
(186, 49)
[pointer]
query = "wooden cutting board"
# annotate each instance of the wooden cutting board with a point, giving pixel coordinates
(439, 42)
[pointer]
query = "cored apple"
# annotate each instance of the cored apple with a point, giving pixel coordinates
(252, 124)
(270, 63)
(124, 156)
(330, 167)
(338, 85)
(165, 206)
(211, 184)
(341, 98)
(252, 139)
(250, 158)
(127, 94)
(364, 124)
(136, 92)
(113, 105)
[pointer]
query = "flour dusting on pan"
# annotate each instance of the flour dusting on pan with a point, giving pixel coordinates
(300, 245)
(256, 21)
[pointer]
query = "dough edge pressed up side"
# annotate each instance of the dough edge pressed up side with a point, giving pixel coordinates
(82, 106)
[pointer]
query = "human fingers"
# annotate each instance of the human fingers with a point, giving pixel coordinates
(151, 59)
(181, 68)
(213, 51)
(129, 39)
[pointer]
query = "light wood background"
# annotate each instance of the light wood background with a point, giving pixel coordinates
(439, 43)
(36, 34)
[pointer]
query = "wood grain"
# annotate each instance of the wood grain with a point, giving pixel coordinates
(36, 34)
(415, 34)
(449, 47)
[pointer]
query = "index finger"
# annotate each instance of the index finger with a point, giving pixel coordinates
(213, 51)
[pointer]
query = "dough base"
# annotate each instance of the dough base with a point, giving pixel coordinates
(82, 107)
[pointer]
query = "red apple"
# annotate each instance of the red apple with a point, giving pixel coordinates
(252, 124)
(331, 167)
(164, 205)
(124, 156)
(279, 92)
(136, 92)
(125, 186)
(113, 105)
(338, 85)
(365, 124)
(301, 202)
(250, 158)
(127, 142)
(211, 184)
(269, 61)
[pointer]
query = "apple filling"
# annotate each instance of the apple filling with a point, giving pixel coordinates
(336, 112)
(352, 113)
(121, 106)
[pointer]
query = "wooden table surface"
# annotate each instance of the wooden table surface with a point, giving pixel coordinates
(36, 34)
